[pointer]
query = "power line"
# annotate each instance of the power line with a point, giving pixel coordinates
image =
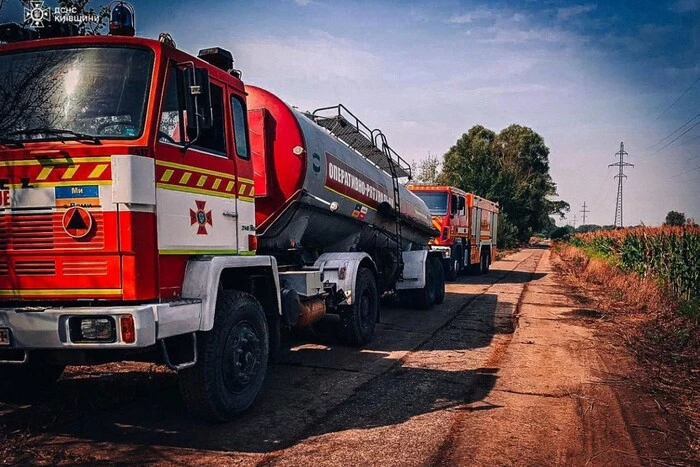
(676, 138)
(620, 177)
(679, 98)
(686, 172)
(674, 132)
(584, 211)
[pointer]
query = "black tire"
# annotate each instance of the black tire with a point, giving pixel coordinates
(357, 321)
(232, 360)
(487, 262)
(476, 269)
(425, 298)
(29, 379)
(452, 269)
(439, 280)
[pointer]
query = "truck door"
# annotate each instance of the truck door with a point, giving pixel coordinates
(196, 189)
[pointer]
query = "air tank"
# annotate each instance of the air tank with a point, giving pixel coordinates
(313, 191)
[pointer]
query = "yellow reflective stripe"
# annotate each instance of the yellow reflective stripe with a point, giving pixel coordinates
(195, 169)
(97, 171)
(44, 174)
(229, 187)
(247, 180)
(241, 190)
(199, 252)
(70, 172)
(247, 253)
(166, 175)
(189, 189)
(215, 185)
(252, 191)
(55, 161)
(246, 199)
(185, 177)
(202, 180)
(29, 292)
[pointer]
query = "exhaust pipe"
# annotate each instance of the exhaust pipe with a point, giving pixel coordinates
(311, 311)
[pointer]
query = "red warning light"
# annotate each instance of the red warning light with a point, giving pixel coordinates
(77, 222)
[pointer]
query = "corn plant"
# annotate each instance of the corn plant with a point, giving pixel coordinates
(671, 254)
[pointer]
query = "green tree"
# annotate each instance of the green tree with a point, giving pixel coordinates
(512, 168)
(426, 172)
(675, 218)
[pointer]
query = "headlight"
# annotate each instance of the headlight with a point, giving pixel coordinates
(92, 329)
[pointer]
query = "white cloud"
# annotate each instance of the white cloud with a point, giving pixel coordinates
(501, 35)
(479, 13)
(318, 56)
(568, 12)
(685, 6)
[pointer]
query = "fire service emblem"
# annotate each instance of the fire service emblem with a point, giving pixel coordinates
(201, 218)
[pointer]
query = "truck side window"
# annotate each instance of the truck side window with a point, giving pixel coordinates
(173, 120)
(240, 127)
(214, 138)
(171, 130)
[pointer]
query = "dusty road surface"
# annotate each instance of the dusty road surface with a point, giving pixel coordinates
(504, 373)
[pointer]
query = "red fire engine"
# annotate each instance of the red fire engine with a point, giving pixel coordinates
(156, 209)
(467, 225)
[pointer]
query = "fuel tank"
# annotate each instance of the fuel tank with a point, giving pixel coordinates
(313, 191)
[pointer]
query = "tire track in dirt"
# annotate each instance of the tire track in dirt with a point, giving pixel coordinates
(445, 453)
(384, 406)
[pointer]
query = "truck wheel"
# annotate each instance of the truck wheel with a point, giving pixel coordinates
(426, 297)
(29, 379)
(358, 320)
(439, 280)
(452, 270)
(477, 269)
(487, 262)
(232, 360)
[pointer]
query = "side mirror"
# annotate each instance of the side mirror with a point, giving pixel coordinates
(197, 98)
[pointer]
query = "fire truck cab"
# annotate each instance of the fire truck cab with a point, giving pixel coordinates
(467, 225)
(128, 218)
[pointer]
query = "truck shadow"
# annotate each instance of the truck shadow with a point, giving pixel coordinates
(315, 388)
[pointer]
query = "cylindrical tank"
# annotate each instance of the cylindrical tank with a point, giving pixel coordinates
(314, 191)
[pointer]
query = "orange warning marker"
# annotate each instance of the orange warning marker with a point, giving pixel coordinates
(77, 222)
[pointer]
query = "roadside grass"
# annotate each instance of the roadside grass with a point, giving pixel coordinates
(658, 321)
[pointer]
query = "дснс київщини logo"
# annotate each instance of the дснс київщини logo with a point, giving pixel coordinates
(37, 13)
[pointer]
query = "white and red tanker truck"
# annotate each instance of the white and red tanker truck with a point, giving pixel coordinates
(153, 208)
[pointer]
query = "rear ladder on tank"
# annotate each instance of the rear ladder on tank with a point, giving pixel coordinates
(373, 146)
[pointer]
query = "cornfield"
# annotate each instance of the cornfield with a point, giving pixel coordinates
(671, 254)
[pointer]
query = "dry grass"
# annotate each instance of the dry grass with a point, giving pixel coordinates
(646, 318)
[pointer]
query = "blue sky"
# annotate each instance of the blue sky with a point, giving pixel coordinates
(585, 75)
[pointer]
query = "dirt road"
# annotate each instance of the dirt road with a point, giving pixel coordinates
(504, 373)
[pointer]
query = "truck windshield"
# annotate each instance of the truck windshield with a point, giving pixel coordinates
(54, 94)
(435, 200)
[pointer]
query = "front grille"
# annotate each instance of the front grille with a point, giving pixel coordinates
(35, 268)
(85, 268)
(25, 232)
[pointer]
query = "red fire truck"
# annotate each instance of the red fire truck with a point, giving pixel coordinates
(156, 209)
(467, 224)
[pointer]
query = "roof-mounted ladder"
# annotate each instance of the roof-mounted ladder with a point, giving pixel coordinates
(373, 146)
(350, 130)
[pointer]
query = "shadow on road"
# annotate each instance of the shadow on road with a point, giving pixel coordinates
(316, 388)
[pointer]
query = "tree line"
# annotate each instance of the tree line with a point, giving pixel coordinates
(511, 168)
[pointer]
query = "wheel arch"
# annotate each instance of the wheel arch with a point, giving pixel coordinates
(206, 275)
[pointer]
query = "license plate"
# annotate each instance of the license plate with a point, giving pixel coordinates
(4, 336)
